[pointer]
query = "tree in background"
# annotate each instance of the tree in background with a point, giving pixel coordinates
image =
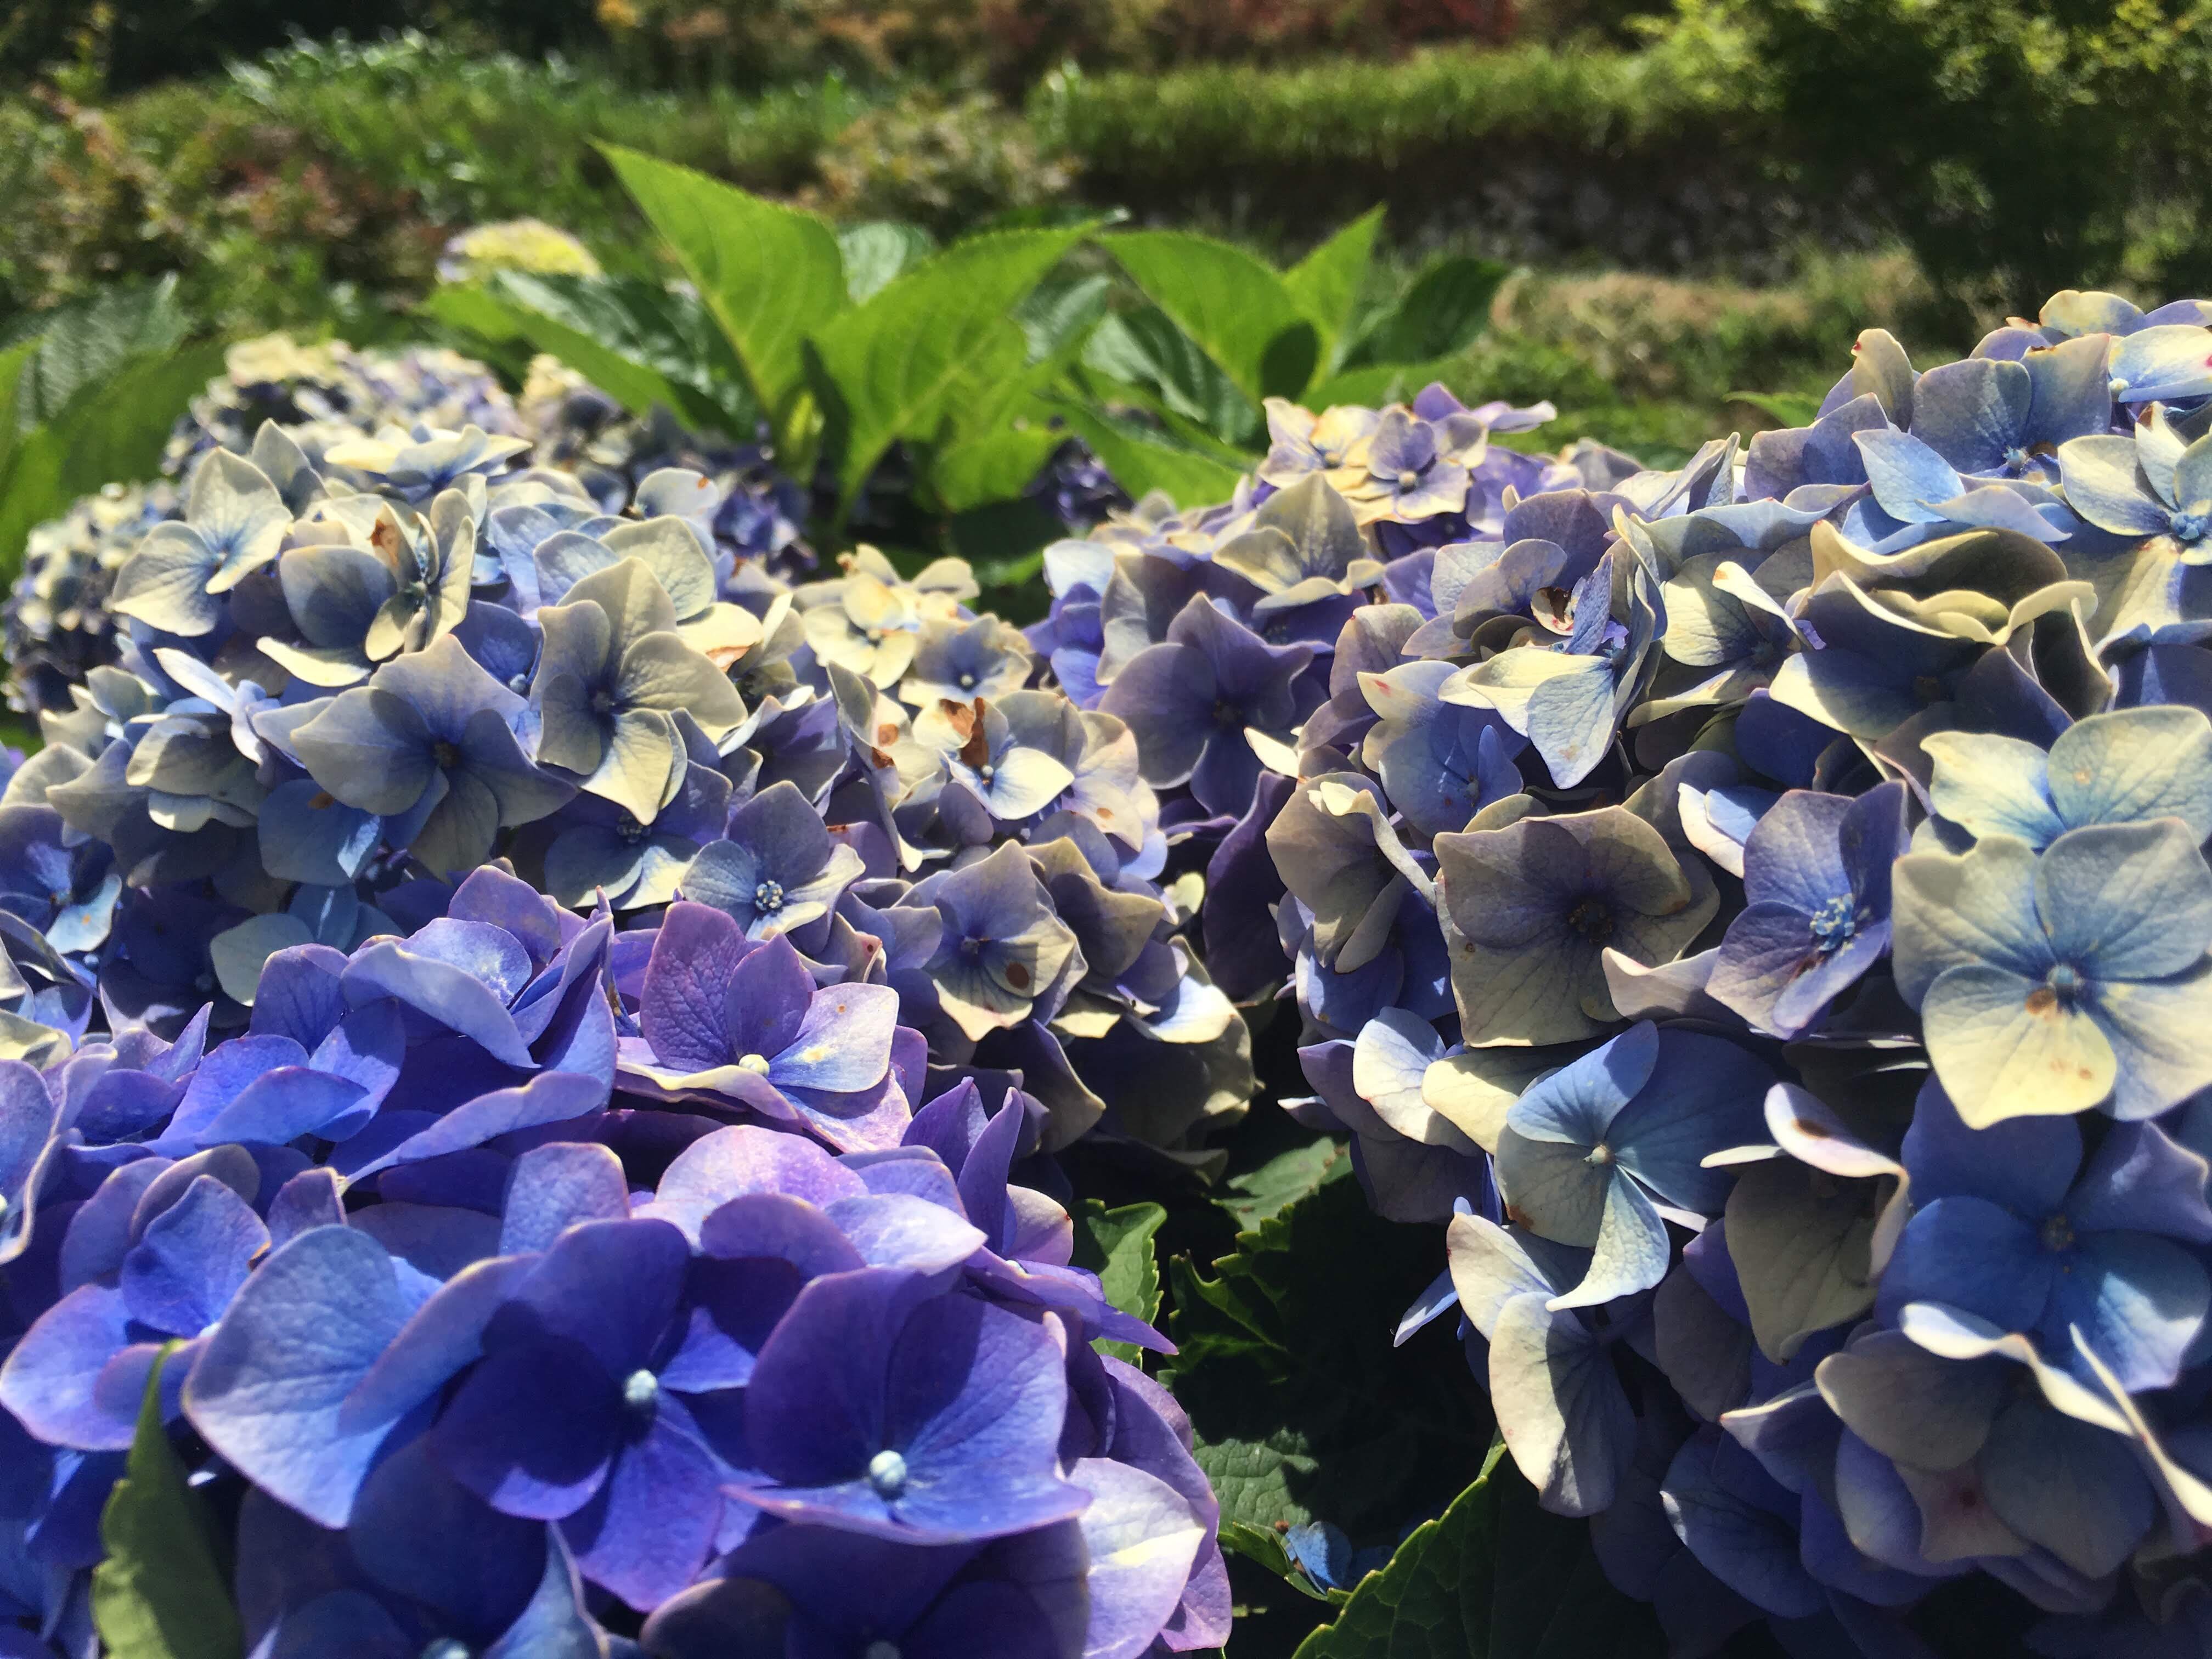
(2015, 144)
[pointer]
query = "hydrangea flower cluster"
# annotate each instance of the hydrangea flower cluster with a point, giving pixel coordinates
(489, 1351)
(1759, 909)
(578, 428)
(545, 1056)
(55, 625)
(530, 245)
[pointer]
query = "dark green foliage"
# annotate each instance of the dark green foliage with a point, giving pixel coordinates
(1440, 313)
(1118, 1246)
(2022, 143)
(89, 401)
(1302, 1408)
(1494, 1577)
(1263, 1194)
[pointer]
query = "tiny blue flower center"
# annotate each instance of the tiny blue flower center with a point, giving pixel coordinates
(1834, 924)
(602, 702)
(755, 1064)
(1592, 919)
(1407, 478)
(987, 771)
(1227, 714)
(445, 756)
(2062, 987)
(2057, 1234)
(769, 896)
(445, 1647)
(1601, 1155)
(887, 1474)
(519, 684)
(967, 682)
(2015, 460)
(2190, 523)
(880, 1648)
(629, 830)
(641, 1392)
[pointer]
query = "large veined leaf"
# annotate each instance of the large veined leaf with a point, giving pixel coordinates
(1001, 428)
(1444, 311)
(80, 346)
(1118, 1246)
(1240, 312)
(1263, 1194)
(1303, 1409)
(160, 1593)
(1144, 459)
(1145, 349)
(1326, 283)
(14, 360)
(1493, 1578)
(114, 433)
(889, 369)
(1059, 313)
(879, 251)
(771, 275)
(644, 345)
(996, 467)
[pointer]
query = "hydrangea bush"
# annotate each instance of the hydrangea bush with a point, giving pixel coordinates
(1759, 912)
(531, 1053)
(536, 1034)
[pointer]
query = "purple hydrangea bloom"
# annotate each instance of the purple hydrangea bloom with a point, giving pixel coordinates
(1816, 873)
(1191, 698)
(740, 1023)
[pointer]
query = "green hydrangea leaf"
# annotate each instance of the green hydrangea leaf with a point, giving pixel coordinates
(890, 368)
(772, 275)
(1118, 1246)
(114, 435)
(877, 251)
(1374, 384)
(160, 1593)
(1144, 349)
(996, 467)
(1144, 459)
(82, 344)
(1263, 1194)
(1240, 313)
(1326, 283)
(642, 344)
(1301, 1408)
(15, 364)
(1493, 1578)
(1441, 314)
(1783, 407)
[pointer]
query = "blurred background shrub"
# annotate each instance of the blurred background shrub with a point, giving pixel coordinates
(1700, 195)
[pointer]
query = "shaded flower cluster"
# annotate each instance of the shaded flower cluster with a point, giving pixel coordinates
(55, 624)
(1760, 909)
(484, 1349)
(564, 1063)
